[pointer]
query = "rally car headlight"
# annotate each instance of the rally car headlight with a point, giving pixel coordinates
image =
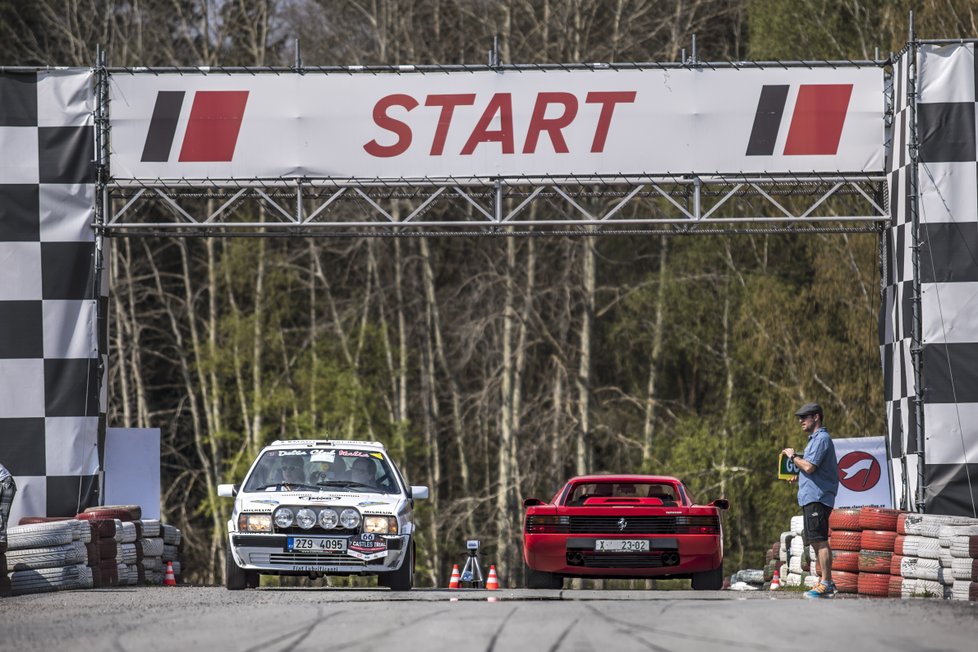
(254, 522)
(329, 519)
(380, 524)
(284, 517)
(305, 518)
(349, 518)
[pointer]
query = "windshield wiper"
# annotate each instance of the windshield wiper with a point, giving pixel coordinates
(346, 484)
(292, 485)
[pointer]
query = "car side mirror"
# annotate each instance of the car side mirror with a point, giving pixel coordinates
(227, 490)
(721, 503)
(533, 502)
(419, 491)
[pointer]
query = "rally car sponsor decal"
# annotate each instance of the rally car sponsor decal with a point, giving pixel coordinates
(367, 546)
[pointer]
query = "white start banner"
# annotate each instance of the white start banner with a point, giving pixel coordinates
(864, 474)
(483, 125)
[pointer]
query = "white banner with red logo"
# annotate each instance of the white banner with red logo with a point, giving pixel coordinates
(480, 125)
(864, 472)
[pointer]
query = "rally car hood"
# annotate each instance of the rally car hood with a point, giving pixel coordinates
(367, 503)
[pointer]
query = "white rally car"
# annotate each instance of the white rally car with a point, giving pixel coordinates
(322, 507)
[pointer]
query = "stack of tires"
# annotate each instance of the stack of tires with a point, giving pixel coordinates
(876, 540)
(151, 545)
(48, 556)
(961, 559)
(772, 563)
(845, 541)
(110, 525)
(172, 548)
(920, 551)
(4, 580)
(798, 568)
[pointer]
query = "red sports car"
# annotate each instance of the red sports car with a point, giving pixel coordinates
(623, 526)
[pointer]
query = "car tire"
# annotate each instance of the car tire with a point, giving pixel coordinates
(252, 579)
(542, 580)
(711, 580)
(235, 577)
(403, 578)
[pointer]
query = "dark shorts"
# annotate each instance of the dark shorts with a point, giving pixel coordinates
(816, 522)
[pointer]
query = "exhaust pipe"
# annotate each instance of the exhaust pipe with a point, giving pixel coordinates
(670, 559)
(575, 558)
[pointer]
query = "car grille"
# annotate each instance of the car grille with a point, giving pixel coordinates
(304, 559)
(633, 525)
(618, 560)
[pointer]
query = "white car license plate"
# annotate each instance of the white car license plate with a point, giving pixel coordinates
(621, 545)
(316, 544)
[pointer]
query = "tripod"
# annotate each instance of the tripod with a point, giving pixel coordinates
(472, 573)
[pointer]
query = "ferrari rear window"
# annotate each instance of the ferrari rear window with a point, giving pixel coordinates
(581, 492)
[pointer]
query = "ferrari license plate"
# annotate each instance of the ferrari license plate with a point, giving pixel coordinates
(621, 545)
(316, 544)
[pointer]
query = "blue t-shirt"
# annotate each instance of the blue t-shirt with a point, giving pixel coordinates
(822, 485)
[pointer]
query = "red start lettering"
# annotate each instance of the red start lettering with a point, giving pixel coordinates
(564, 111)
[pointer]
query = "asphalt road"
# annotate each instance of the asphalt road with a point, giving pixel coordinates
(188, 618)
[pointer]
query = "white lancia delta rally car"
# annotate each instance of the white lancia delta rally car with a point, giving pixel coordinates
(322, 507)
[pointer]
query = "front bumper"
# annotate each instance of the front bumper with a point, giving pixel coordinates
(269, 554)
(668, 556)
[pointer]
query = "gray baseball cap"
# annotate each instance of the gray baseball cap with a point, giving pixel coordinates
(809, 408)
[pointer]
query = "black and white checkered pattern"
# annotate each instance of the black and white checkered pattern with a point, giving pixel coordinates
(947, 176)
(896, 314)
(52, 421)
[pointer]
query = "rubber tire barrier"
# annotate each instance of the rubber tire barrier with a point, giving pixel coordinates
(844, 518)
(875, 584)
(965, 569)
(845, 540)
(918, 588)
(845, 560)
(40, 535)
(875, 561)
(152, 547)
(948, 532)
(920, 569)
(845, 581)
(878, 518)
(895, 562)
(965, 591)
(51, 557)
(965, 547)
(895, 589)
(77, 576)
(877, 540)
(929, 548)
(32, 520)
(103, 513)
(135, 512)
(151, 528)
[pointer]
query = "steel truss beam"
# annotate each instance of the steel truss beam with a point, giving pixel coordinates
(500, 206)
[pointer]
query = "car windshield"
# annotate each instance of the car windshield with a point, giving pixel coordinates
(581, 492)
(322, 469)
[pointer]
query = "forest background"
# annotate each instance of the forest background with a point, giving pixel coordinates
(493, 368)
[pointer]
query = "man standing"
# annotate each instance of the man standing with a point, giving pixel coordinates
(8, 489)
(818, 483)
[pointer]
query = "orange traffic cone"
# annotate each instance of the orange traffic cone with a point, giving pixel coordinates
(775, 581)
(493, 582)
(169, 579)
(453, 582)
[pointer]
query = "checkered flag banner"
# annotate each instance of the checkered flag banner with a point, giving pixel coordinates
(947, 206)
(53, 339)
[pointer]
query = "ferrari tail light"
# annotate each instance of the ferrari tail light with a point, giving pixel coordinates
(697, 525)
(540, 524)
